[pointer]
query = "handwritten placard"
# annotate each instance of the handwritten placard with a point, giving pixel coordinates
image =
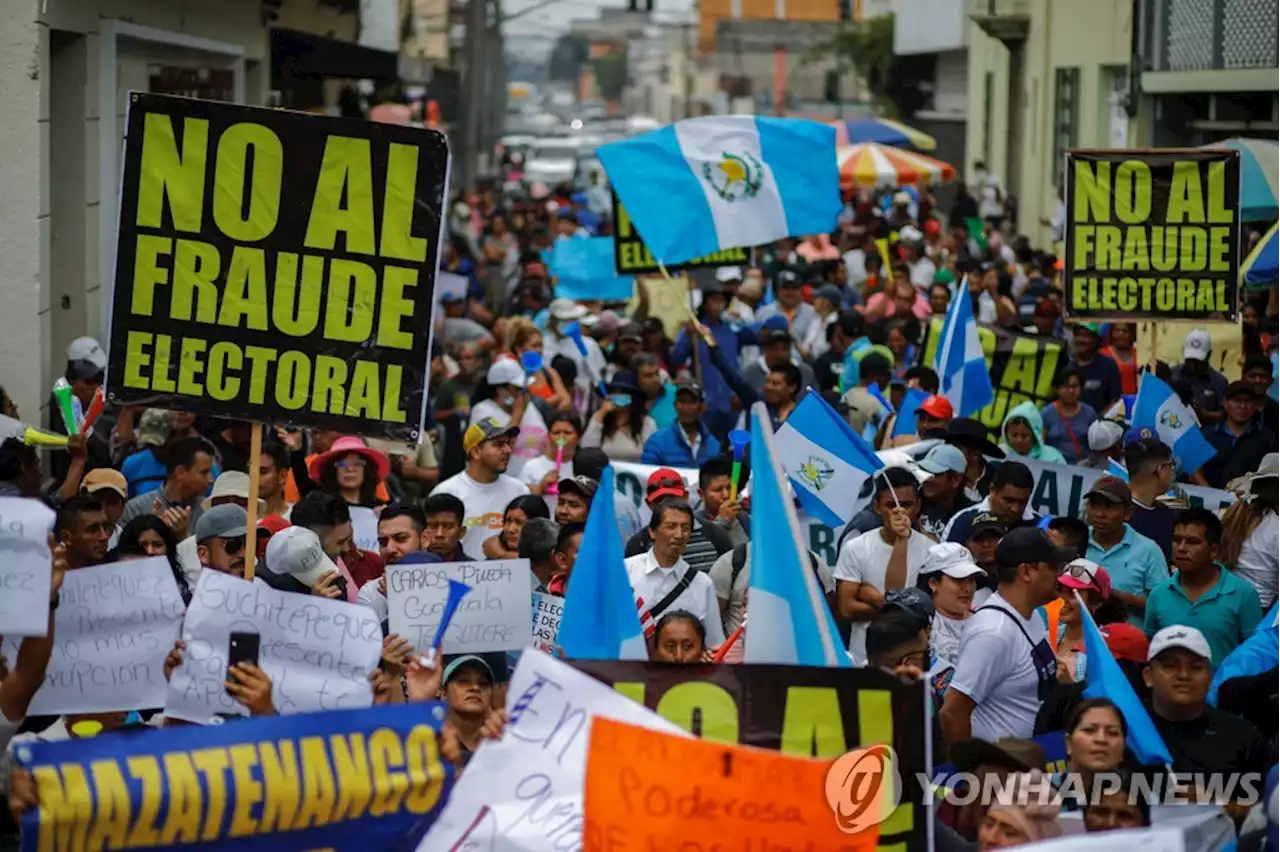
(364, 528)
(112, 630)
(494, 616)
(523, 793)
(547, 610)
(25, 567)
(317, 652)
(722, 797)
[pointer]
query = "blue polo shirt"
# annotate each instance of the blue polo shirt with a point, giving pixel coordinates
(1226, 614)
(1136, 564)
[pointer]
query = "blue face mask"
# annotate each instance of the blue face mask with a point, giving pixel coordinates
(133, 719)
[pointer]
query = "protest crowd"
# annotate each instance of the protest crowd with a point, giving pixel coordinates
(1074, 578)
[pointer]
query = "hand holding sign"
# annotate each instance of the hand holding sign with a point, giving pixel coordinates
(25, 557)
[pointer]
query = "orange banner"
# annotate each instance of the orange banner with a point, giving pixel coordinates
(648, 790)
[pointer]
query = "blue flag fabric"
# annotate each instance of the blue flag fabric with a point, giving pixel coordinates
(1159, 408)
(963, 375)
(307, 781)
(790, 621)
(584, 270)
(827, 462)
(1104, 679)
(905, 424)
(600, 620)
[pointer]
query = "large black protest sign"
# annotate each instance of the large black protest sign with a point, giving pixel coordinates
(800, 710)
(1152, 234)
(274, 265)
(632, 257)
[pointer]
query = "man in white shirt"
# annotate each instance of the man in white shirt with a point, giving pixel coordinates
(484, 488)
(655, 574)
(1006, 668)
(881, 559)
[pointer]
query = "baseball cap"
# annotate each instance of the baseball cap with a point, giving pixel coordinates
(787, 278)
(566, 309)
(938, 407)
(1103, 435)
(105, 479)
(154, 427)
(952, 559)
(943, 458)
(1241, 388)
(504, 371)
(1197, 345)
(912, 600)
(831, 293)
(465, 660)
(584, 485)
(486, 429)
(87, 349)
(1179, 636)
(908, 234)
(225, 521)
(1110, 488)
(1140, 433)
(984, 522)
(1085, 574)
(902, 197)
(296, 551)
(231, 483)
(726, 274)
(690, 386)
(665, 482)
(1047, 308)
(1030, 544)
(776, 335)
(1125, 641)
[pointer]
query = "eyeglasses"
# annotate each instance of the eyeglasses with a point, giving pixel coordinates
(356, 463)
(919, 659)
(232, 546)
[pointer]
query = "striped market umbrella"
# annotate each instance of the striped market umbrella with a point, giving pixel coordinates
(1259, 177)
(885, 131)
(872, 166)
(1262, 266)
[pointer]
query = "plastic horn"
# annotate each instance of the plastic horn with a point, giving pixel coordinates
(94, 412)
(531, 361)
(554, 488)
(573, 331)
(457, 591)
(62, 393)
(723, 650)
(34, 437)
(739, 438)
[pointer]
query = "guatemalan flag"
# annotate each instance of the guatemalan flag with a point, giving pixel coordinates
(705, 184)
(963, 375)
(1159, 408)
(794, 625)
(825, 460)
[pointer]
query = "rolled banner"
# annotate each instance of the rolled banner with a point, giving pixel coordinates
(739, 438)
(457, 591)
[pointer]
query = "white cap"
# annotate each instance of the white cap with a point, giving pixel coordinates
(901, 197)
(952, 559)
(1104, 434)
(1197, 345)
(566, 309)
(504, 371)
(729, 273)
(296, 551)
(1179, 636)
(232, 483)
(87, 349)
(909, 233)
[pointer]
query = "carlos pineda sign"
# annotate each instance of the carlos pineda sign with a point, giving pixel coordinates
(1059, 490)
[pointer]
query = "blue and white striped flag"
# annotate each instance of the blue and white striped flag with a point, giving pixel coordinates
(962, 369)
(825, 460)
(1159, 408)
(706, 184)
(793, 625)
(1115, 468)
(907, 422)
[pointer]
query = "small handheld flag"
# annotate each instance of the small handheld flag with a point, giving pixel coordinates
(827, 462)
(1159, 408)
(962, 369)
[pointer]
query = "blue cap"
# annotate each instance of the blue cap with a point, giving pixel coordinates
(1139, 433)
(419, 557)
(777, 322)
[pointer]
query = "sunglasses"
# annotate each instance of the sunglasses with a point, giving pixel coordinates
(664, 483)
(356, 463)
(1080, 573)
(232, 546)
(913, 601)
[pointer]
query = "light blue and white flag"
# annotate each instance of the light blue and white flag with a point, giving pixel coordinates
(1115, 468)
(826, 461)
(906, 422)
(584, 270)
(1159, 408)
(962, 368)
(706, 184)
(792, 624)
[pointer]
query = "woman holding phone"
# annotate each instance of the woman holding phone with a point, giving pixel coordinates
(620, 427)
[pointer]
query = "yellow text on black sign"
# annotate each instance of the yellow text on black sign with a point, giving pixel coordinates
(276, 269)
(1152, 234)
(632, 256)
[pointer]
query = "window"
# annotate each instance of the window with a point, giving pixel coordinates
(1066, 115)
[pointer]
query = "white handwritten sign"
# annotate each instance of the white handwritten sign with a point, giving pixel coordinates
(25, 567)
(364, 528)
(112, 630)
(494, 616)
(547, 610)
(524, 793)
(317, 652)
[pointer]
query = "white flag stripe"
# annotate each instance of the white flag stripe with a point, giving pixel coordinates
(838, 492)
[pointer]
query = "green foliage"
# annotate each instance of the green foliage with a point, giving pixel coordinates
(611, 73)
(866, 48)
(568, 56)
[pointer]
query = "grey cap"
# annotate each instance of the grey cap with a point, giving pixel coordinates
(225, 521)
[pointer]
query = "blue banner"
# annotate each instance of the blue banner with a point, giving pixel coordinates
(584, 271)
(342, 780)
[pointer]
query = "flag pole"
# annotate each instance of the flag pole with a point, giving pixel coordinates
(251, 510)
(816, 601)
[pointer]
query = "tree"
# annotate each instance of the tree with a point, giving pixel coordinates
(611, 73)
(866, 47)
(568, 56)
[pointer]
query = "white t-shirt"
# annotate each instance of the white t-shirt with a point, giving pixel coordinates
(530, 444)
(944, 637)
(651, 583)
(996, 670)
(922, 272)
(864, 560)
(373, 598)
(484, 504)
(1259, 559)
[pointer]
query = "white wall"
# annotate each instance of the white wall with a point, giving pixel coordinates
(929, 26)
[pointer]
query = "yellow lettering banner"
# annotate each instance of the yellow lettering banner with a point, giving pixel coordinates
(632, 256)
(276, 266)
(1152, 234)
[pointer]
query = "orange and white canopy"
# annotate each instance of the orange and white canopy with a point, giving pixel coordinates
(869, 165)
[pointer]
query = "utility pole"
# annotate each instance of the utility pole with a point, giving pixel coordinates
(475, 48)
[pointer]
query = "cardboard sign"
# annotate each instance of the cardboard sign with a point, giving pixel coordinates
(632, 256)
(276, 266)
(547, 610)
(113, 628)
(1152, 234)
(494, 616)
(317, 652)
(26, 567)
(721, 797)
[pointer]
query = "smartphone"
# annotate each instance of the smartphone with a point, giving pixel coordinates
(622, 400)
(242, 648)
(340, 583)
